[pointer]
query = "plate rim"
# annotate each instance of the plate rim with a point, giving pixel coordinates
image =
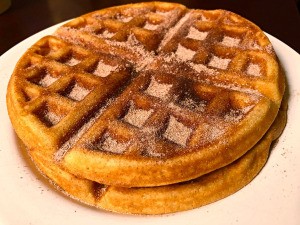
(279, 45)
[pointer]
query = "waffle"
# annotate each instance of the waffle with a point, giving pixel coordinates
(170, 198)
(146, 94)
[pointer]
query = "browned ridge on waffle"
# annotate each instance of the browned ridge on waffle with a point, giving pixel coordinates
(146, 94)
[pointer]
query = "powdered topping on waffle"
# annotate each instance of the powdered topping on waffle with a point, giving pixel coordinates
(78, 134)
(111, 145)
(253, 69)
(51, 118)
(72, 61)
(124, 19)
(140, 56)
(48, 115)
(191, 104)
(219, 63)
(158, 90)
(77, 92)
(150, 26)
(72, 140)
(254, 94)
(212, 132)
(177, 132)
(269, 48)
(230, 41)
(184, 54)
(103, 70)
(148, 136)
(177, 81)
(202, 68)
(137, 117)
(196, 34)
(173, 31)
(47, 80)
(236, 115)
(107, 34)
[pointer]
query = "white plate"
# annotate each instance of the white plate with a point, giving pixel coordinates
(273, 197)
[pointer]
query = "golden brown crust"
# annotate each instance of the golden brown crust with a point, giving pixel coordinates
(170, 198)
(134, 95)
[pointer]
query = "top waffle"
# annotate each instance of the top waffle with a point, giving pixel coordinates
(146, 94)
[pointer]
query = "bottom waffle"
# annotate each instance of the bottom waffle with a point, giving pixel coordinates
(170, 198)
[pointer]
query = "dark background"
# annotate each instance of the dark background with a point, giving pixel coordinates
(24, 18)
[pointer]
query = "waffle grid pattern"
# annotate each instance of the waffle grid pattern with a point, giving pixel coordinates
(148, 82)
(190, 35)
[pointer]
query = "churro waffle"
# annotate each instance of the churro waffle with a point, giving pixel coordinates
(146, 94)
(170, 198)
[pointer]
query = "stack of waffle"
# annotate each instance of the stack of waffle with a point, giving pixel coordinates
(149, 108)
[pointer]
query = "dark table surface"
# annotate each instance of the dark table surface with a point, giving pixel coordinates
(24, 18)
